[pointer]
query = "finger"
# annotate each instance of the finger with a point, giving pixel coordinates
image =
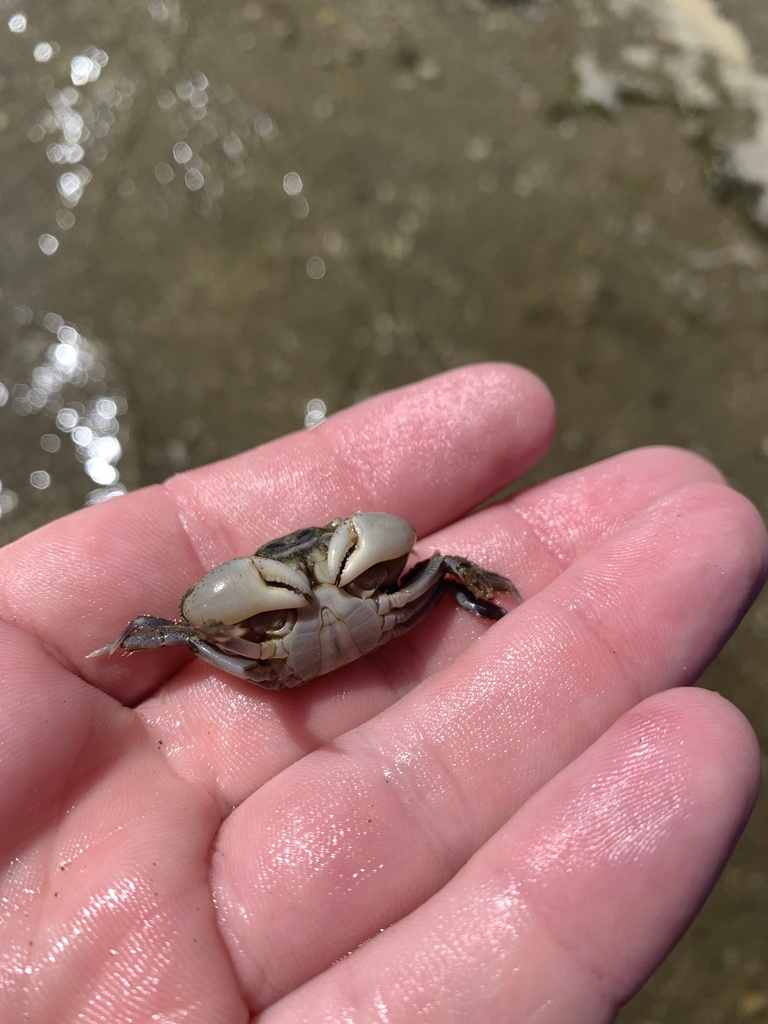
(76, 583)
(567, 909)
(235, 738)
(104, 866)
(318, 852)
(52, 727)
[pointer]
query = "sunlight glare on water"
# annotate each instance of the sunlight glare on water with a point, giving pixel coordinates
(65, 387)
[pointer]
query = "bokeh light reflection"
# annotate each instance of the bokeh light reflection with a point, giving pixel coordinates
(48, 244)
(65, 387)
(8, 500)
(292, 183)
(315, 268)
(40, 479)
(333, 243)
(87, 67)
(265, 127)
(43, 52)
(299, 207)
(76, 124)
(315, 412)
(50, 442)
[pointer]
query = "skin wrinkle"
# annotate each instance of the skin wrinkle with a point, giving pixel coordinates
(598, 817)
(601, 653)
(32, 630)
(435, 746)
(449, 401)
(587, 497)
(428, 834)
(72, 772)
(361, 810)
(190, 542)
(435, 736)
(651, 755)
(560, 652)
(227, 511)
(590, 609)
(298, 841)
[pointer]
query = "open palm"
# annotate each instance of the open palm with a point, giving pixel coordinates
(521, 816)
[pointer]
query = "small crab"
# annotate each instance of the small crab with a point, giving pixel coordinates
(314, 600)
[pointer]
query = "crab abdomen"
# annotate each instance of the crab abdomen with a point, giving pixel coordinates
(336, 629)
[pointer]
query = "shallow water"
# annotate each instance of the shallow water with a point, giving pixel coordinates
(218, 223)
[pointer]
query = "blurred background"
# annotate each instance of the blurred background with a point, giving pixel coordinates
(220, 222)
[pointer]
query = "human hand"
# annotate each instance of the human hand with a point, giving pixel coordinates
(535, 807)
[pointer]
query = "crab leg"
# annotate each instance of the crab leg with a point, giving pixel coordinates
(471, 587)
(147, 632)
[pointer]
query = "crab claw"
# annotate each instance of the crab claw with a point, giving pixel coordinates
(244, 587)
(365, 540)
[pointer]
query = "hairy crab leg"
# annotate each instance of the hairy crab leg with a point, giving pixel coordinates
(147, 632)
(471, 587)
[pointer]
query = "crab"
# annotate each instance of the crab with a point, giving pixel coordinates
(314, 600)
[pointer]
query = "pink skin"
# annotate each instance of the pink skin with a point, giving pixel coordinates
(535, 806)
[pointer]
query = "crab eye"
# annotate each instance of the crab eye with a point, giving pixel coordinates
(242, 588)
(365, 540)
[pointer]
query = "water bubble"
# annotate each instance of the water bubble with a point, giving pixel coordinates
(42, 52)
(65, 219)
(101, 471)
(332, 242)
(8, 501)
(194, 179)
(232, 144)
(65, 355)
(84, 69)
(182, 153)
(264, 126)
(158, 11)
(164, 173)
(40, 479)
(82, 436)
(50, 442)
(48, 244)
(101, 494)
(67, 419)
(315, 268)
(315, 413)
(299, 207)
(106, 448)
(22, 315)
(106, 407)
(292, 183)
